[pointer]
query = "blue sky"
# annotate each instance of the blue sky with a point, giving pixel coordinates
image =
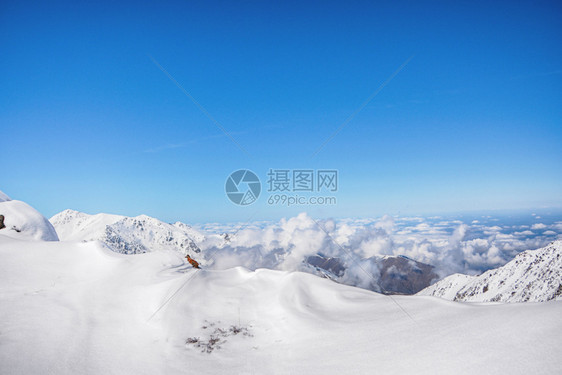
(472, 122)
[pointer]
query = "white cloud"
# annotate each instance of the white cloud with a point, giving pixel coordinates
(450, 246)
(557, 226)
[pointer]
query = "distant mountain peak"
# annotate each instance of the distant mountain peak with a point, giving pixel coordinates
(396, 274)
(532, 276)
(127, 235)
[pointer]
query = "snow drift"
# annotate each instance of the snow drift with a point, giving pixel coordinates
(24, 222)
(72, 307)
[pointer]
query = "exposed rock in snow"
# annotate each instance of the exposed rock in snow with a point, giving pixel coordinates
(532, 276)
(448, 287)
(404, 276)
(334, 266)
(24, 222)
(127, 235)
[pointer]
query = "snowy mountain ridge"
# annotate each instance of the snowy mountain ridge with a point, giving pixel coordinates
(126, 235)
(532, 276)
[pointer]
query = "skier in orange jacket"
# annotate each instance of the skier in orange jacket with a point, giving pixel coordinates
(192, 261)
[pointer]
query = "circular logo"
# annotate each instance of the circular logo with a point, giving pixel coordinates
(242, 187)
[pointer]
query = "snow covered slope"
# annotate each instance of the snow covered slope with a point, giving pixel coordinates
(448, 287)
(532, 276)
(128, 235)
(24, 222)
(78, 308)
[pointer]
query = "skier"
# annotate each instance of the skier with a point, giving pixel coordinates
(192, 261)
(2, 222)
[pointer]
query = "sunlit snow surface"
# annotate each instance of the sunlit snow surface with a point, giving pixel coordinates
(78, 308)
(24, 222)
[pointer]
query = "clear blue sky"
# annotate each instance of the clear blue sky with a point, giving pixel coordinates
(89, 122)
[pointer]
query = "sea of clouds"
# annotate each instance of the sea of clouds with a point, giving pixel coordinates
(469, 245)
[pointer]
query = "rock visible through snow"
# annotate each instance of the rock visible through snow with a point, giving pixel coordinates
(532, 276)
